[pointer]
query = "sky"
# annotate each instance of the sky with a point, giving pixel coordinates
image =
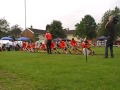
(39, 13)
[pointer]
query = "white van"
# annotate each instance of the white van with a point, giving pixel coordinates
(5, 42)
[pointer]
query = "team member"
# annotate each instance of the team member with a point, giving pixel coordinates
(43, 47)
(64, 47)
(87, 44)
(34, 49)
(54, 48)
(74, 46)
(24, 46)
(48, 37)
(29, 47)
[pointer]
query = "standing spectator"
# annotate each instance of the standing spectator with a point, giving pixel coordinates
(0, 46)
(110, 27)
(3, 47)
(48, 38)
(8, 46)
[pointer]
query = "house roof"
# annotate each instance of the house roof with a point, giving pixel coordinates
(38, 31)
(69, 31)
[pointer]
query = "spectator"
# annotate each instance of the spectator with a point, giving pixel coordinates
(110, 27)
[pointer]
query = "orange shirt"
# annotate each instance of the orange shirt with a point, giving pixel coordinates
(62, 44)
(48, 36)
(29, 46)
(73, 43)
(33, 45)
(84, 45)
(43, 46)
(52, 45)
(24, 44)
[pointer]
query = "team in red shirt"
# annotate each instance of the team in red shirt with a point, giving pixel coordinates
(75, 46)
(87, 44)
(54, 47)
(48, 38)
(62, 46)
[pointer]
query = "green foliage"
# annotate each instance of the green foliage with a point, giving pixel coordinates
(56, 29)
(48, 27)
(4, 25)
(15, 31)
(87, 27)
(101, 29)
(2, 34)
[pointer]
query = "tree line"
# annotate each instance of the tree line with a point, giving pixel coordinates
(86, 27)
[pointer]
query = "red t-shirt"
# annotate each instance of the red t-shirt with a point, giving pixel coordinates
(33, 45)
(48, 36)
(62, 44)
(24, 44)
(73, 43)
(29, 46)
(43, 46)
(52, 45)
(84, 45)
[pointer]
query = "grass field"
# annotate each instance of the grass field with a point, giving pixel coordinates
(39, 71)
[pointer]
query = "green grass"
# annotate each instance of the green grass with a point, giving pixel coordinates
(39, 71)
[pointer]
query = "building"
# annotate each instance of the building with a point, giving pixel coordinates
(70, 34)
(38, 34)
(33, 34)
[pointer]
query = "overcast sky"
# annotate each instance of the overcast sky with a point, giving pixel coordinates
(39, 13)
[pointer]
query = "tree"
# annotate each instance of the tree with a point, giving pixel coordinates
(2, 34)
(101, 30)
(116, 12)
(48, 27)
(56, 29)
(86, 27)
(15, 31)
(4, 25)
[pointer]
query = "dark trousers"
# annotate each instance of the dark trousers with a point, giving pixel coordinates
(49, 46)
(109, 43)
